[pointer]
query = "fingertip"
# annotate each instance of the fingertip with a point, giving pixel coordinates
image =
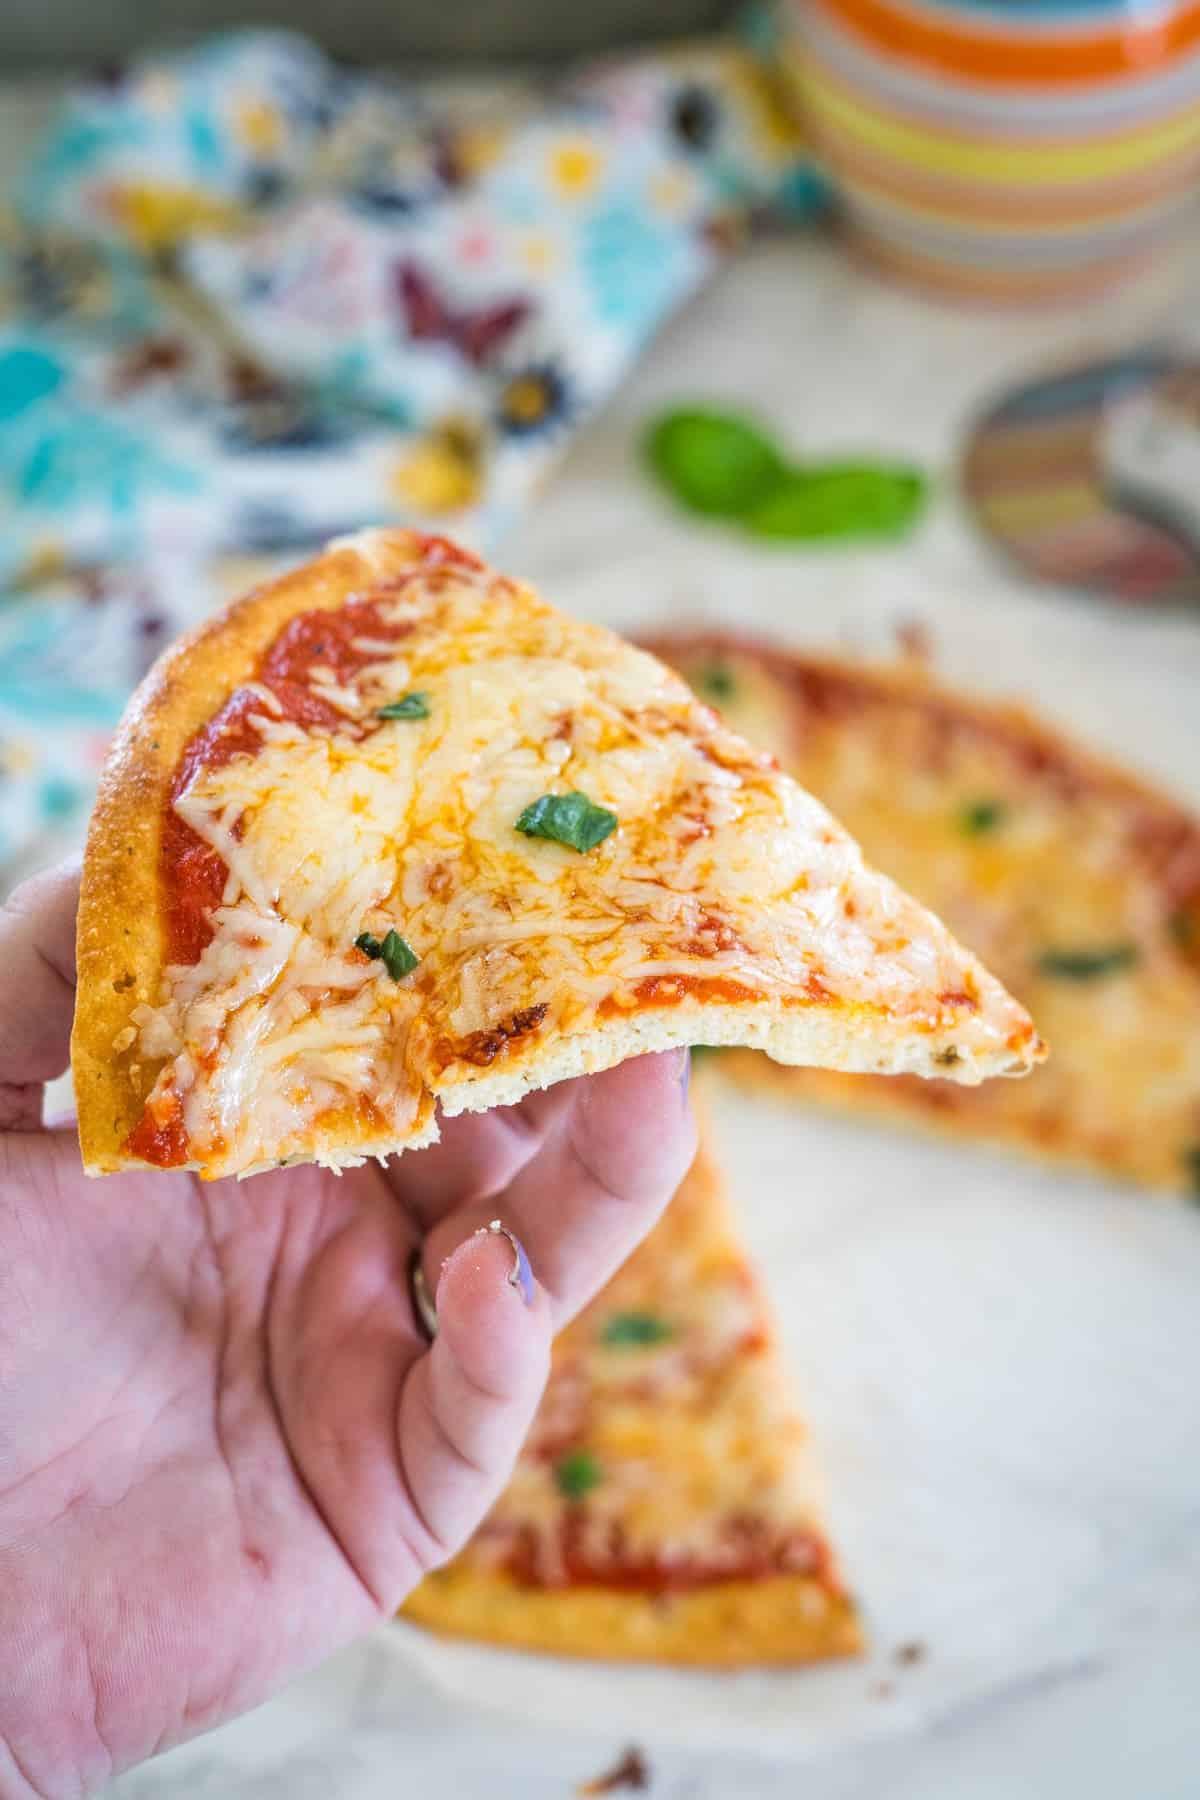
(493, 1316)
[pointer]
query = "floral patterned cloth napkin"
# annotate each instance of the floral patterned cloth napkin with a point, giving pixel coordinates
(250, 297)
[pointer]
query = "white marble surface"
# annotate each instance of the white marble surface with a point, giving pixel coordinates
(1002, 1365)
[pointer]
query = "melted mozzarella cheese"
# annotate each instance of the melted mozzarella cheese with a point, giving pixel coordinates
(720, 868)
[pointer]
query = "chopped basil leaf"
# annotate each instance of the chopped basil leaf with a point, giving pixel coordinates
(982, 816)
(1087, 965)
(569, 819)
(398, 957)
(716, 681)
(706, 1050)
(408, 706)
(633, 1330)
(577, 1474)
(1191, 1162)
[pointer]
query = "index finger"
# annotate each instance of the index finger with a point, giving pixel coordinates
(37, 992)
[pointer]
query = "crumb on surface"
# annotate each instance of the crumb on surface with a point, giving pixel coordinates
(914, 639)
(631, 1771)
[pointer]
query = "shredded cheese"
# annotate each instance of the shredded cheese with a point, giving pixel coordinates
(283, 1041)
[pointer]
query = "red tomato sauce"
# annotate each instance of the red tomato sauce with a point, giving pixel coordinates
(160, 1137)
(673, 990)
(794, 1553)
(192, 876)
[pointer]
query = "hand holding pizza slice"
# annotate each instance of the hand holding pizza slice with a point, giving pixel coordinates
(393, 834)
(228, 1446)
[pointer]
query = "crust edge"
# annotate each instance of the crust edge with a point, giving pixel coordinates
(787, 1619)
(118, 937)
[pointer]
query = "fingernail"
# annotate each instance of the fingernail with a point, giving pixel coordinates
(520, 1275)
(685, 1075)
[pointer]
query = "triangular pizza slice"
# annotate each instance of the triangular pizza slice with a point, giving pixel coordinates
(393, 832)
(664, 1507)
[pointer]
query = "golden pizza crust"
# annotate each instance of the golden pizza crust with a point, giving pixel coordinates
(1082, 854)
(705, 1436)
(783, 1619)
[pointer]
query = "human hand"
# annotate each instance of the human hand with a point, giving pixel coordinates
(226, 1447)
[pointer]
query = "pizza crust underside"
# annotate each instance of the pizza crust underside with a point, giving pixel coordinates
(856, 1039)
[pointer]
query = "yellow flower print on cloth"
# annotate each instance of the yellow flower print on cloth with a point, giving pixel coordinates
(443, 472)
(576, 166)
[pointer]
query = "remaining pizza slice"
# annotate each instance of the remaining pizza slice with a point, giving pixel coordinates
(393, 832)
(664, 1507)
(1077, 881)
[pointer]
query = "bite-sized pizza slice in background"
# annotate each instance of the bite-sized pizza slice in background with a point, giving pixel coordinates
(664, 1507)
(1076, 881)
(392, 832)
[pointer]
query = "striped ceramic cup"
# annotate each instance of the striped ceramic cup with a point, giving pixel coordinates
(1004, 149)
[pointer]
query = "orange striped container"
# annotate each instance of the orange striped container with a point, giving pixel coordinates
(1004, 150)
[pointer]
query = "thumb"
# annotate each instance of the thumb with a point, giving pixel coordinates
(466, 1406)
(37, 992)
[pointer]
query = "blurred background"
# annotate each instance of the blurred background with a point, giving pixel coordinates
(66, 33)
(847, 349)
